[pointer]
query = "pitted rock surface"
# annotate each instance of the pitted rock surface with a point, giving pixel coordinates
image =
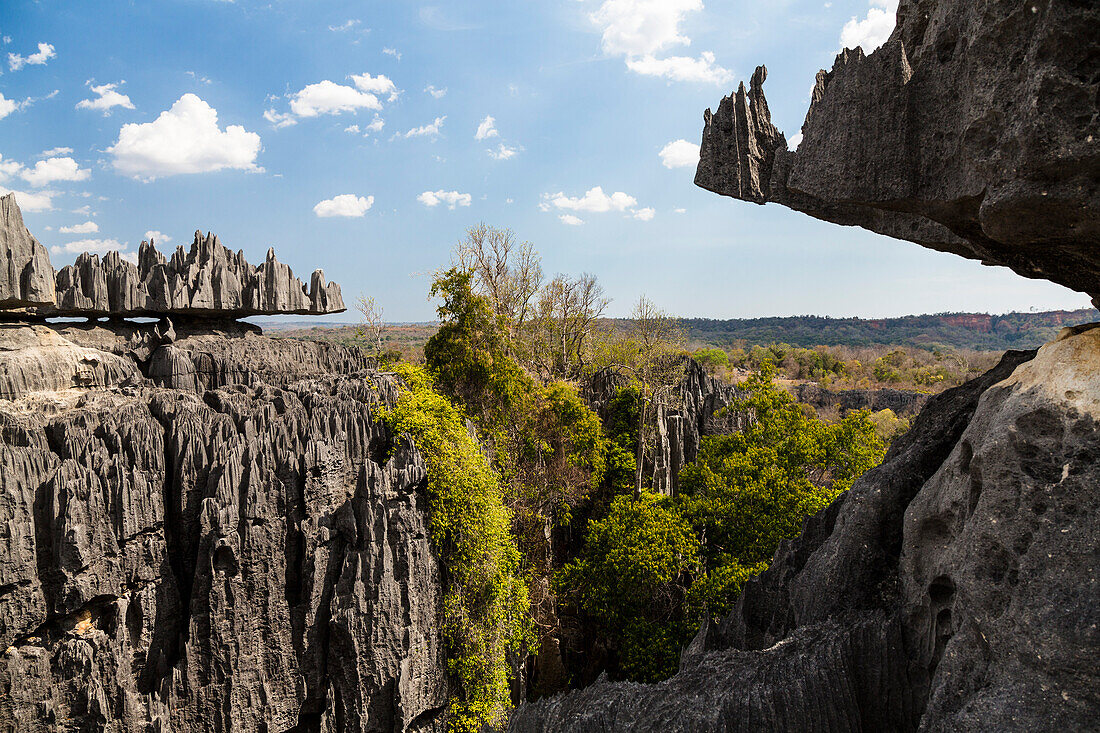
(26, 276)
(975, 129)
(243, 553)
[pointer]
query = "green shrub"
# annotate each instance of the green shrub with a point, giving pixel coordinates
(486, 601)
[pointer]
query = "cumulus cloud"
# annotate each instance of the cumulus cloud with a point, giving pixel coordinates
(423, 130)
(450, 198)
(503, 152)
(279, 119)
(9, 168)
(795, 141)
(346, 204)
(88, 227)
(31, 202)
(329, 98)
(7, 106)
(486, 128)
(106, 98)
(54, 169)
(95, 246)
(873, 30)
(54, 152)
(44, 54)
(392, 52)
(154, 235)
(437, 93)
(375, 125)
(183, 139)
(573, 221)
(380, 85)
(594, 200)
(680, 154)
(640, 29)
(682, 68)
(645, 214)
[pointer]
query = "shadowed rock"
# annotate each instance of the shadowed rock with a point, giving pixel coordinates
(26, 276)
(974, 130)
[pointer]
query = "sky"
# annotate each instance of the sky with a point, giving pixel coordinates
(364, 138)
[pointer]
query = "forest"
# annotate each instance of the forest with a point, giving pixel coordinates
(553, 538)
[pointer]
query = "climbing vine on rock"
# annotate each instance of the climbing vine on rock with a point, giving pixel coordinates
(486, 598)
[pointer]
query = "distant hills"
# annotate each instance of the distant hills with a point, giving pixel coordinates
(979, 331)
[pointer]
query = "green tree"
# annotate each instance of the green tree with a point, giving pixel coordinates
(632, 580)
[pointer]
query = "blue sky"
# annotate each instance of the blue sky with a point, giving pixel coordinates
(363, 138)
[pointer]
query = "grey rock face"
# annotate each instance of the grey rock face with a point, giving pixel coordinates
(236, 555)
(207, 281)
(695, 409)
(26, 276)
(974, 130)
(901, 401)
(953, 588)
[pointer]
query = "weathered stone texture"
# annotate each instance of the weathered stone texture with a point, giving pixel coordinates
(975, 130)
(26, 276)
(207, 281)
(236, 555)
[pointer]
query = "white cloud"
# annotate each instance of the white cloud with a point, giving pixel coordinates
(9, 168)
(347, 25)
(54, 169)
(346, 204)
(680, 211)
(380, 85)
(679, 154)
(130, 257)
(682, 68)
(183, 139)
(85, 210)
(503, 152)
(88, 227)
(198, 77)
(95, 246)
(571, 220)
(873, 30)
(375, 125)
(329, 98)
(437, 93)
(54, 152)
(638, 29)
(432, 129)
(106, 98)
(392, 52)
(594, 200)
(279, 119)
(44, 54)
(31, 202)
(352, 129)
(486, 129)
(645, 214)
(154, 235)
(641, 27)
(7, 106)
(795, 141)
(450, 198)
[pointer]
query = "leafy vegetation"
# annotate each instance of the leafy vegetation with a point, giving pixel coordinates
(507, 358)
(486, 602)
(653, 565)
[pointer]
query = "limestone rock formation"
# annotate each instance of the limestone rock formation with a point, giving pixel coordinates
(955, 587)
(695, 409)
(207, 281)
(26, 276)
(975, 129)
(244, 552)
